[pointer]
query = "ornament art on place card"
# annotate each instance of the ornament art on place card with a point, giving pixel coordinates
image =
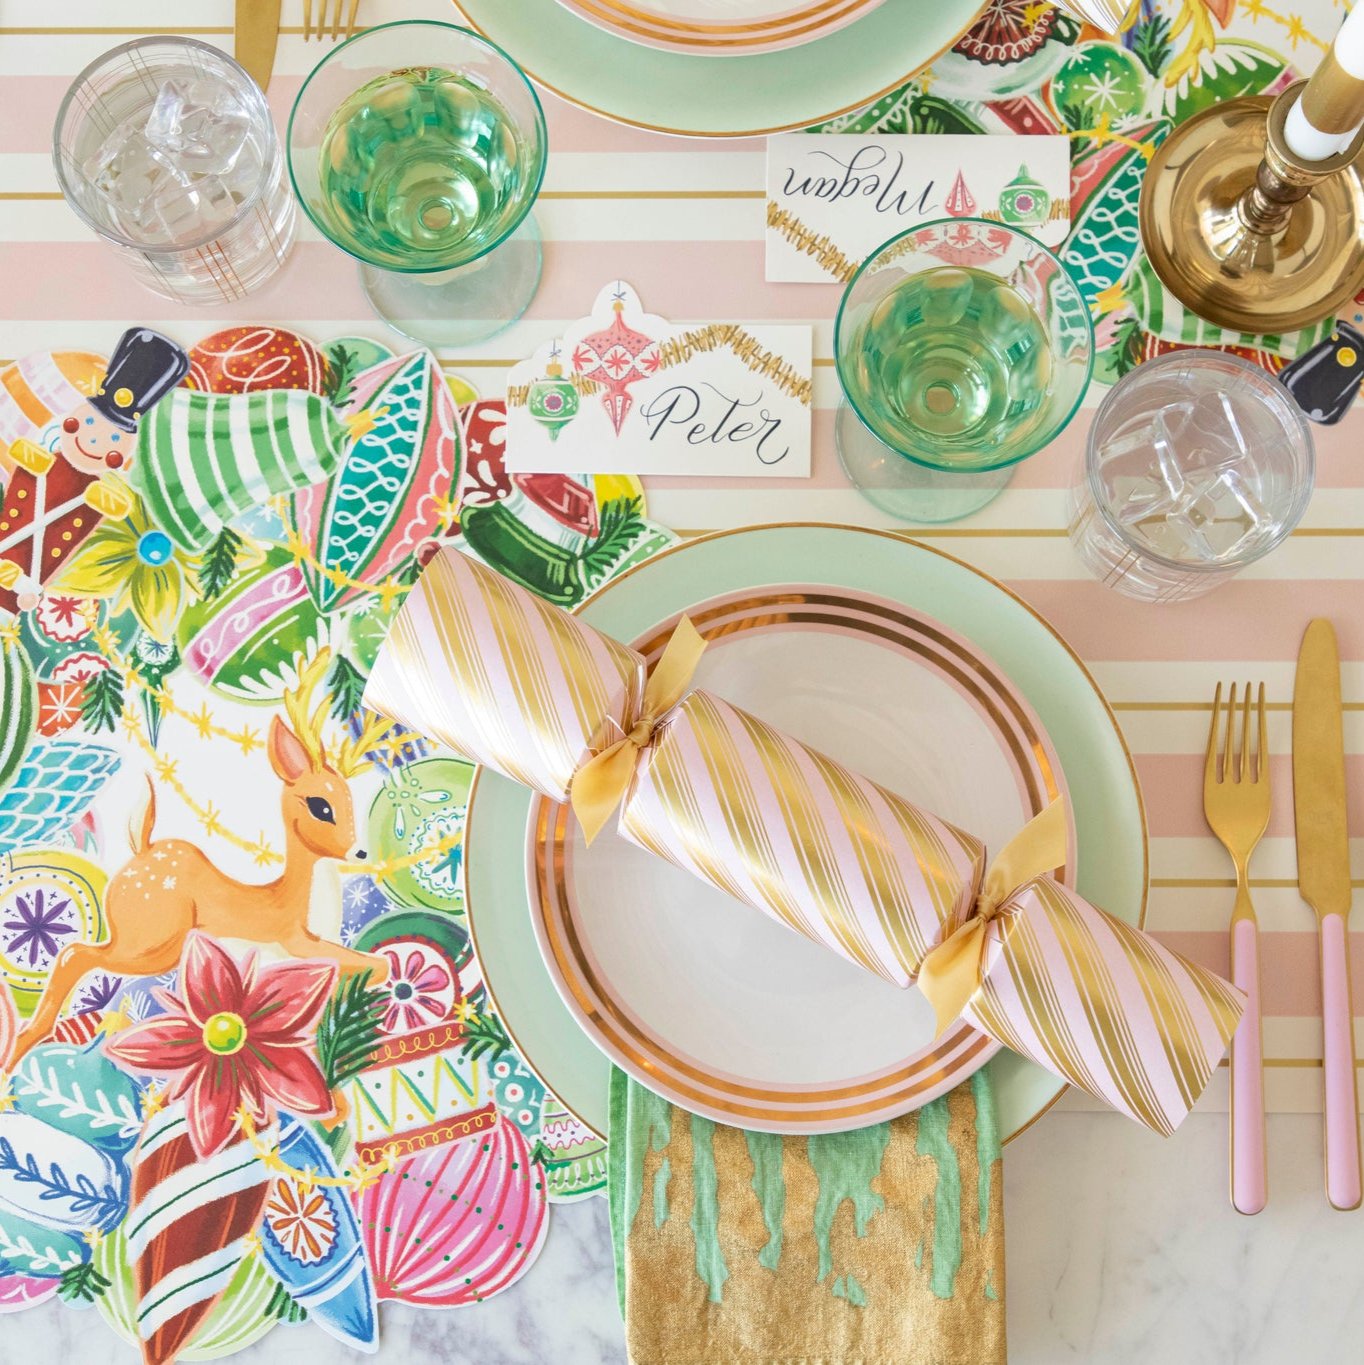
(627, 391)
(832, 200)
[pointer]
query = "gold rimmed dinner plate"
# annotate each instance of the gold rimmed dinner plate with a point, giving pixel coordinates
(721, 27)
(975, 679)
(720, 1009)
(708, 95)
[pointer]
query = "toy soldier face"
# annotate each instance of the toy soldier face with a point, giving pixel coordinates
(95, 445)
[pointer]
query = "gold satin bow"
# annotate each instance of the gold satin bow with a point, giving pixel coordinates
(601, 783)
(951, 971)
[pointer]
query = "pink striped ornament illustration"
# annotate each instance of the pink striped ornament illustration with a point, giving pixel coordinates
(456, 1224)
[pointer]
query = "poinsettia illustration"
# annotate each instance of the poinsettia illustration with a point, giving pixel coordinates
(237, 1037)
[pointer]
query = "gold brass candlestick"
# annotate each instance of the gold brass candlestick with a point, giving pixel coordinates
(1245, 232)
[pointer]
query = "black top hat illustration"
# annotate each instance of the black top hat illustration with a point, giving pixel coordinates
(144, 368)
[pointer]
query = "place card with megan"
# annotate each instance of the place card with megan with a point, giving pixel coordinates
(832, 200)
(627, 392)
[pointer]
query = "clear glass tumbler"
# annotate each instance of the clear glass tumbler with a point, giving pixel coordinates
(963, 346)
(419, 147)
(165, 148)
(1198, 464)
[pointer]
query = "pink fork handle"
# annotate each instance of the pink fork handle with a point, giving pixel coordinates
(1338, 1059)
(1249, 1187)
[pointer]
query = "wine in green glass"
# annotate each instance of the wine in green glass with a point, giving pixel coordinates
(958, 355)
(963, 347)
(426, 173)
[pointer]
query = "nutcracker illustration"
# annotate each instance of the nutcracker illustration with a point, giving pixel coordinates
(53, 500)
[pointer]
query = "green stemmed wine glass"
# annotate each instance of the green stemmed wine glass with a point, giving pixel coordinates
(419, 148)
(963, 346)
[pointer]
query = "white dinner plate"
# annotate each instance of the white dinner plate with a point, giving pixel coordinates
(708, 1001)
(719, 1008)
(721, 28)
(710, 96)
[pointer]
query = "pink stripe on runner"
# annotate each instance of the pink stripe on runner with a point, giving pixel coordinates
(32, 101)
(1102, 624)
(1290, 978)
(684, 281)
(1173, 787)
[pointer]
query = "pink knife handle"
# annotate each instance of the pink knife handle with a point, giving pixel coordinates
(1249, 1187)
(1342, 1105)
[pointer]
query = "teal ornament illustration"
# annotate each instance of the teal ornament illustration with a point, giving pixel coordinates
(419, 806)
(1105, 233)
(553, 400)
(1099, 81)
(1024, 201)
(52, 789)
(519, 1092)
(391, 492)
(63, 1173)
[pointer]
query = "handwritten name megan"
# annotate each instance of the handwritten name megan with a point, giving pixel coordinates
(715, 418)
(872, 173)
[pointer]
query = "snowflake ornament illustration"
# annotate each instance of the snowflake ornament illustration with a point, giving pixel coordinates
(42, 919)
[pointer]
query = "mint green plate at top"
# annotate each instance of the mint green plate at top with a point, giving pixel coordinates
(708, 96)
(1109, 818)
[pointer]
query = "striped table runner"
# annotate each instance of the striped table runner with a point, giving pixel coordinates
(682, 220)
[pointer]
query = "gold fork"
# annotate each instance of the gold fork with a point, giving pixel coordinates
(1236, 805)
(321, 30)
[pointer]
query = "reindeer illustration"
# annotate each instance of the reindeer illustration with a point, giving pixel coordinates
(171, 886)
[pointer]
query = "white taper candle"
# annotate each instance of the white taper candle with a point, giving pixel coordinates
(1330, 112)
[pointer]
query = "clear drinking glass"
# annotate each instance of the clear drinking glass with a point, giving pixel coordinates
(1198, 464)
(418, 148)
(165, 147)
(963, 347)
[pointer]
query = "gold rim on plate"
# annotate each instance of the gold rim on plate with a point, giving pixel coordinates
(907, 1083)
(678, 35)
(860, 103)
(926, 549)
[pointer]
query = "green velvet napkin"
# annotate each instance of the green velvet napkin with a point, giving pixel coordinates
(882, 1245)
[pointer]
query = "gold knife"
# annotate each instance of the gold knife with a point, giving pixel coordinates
(257, 32)
(1324, 883)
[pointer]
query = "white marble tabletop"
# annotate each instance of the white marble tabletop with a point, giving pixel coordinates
(1122, 1250)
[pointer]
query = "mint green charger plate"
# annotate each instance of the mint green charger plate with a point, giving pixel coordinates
(1110, 822)
(708, 96)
